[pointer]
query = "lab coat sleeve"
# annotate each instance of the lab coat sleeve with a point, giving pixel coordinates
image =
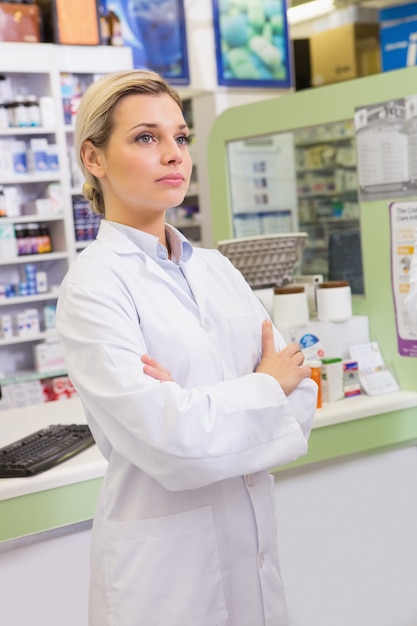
(300, 397)
(183, 438)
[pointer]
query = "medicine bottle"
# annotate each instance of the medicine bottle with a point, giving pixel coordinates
(334, 301)
(20, 112)
(45, 242)
(290, 308)
(315, 365)
(33, 111)
(3, 206)
(115, 25)
(4, 115)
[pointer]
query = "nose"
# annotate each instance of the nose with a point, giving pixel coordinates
(172, 152)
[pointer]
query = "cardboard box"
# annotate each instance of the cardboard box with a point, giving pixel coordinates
(343, 53)
(74, 22)
(20, 22)
(398, 34)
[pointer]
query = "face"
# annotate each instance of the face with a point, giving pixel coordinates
(146, 166)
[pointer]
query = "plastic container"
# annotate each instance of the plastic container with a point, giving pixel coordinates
(290, 309)
(334, 301)
(315, 366)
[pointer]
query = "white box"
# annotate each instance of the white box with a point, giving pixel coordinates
(335, 337)
(332, 380)
(8, 245)
(6, 326)
(48, 356)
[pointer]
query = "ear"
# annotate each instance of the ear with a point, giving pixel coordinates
(93, 159)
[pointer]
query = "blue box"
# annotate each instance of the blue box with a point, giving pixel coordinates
(398, 36)
(156, 33)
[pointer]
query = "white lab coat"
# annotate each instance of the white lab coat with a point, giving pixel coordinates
(185, 530)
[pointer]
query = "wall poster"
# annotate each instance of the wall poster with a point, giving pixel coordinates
(386, 143)
(156, 33)
(403, 222)
(263, 185)
(252, 43)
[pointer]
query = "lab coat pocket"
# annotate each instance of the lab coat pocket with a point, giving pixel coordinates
(246, 342)
(165, 570)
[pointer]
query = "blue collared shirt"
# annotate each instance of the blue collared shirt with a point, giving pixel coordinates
(181, 251)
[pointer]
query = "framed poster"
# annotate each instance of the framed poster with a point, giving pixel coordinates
(156, 33)
(252, 43)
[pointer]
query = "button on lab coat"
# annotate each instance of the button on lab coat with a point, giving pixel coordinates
(185, 531)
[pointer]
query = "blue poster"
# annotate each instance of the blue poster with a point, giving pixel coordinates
(252, 43)
(155, 30)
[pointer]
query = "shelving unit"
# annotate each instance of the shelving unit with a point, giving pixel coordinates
(325, 158)
(47, 64)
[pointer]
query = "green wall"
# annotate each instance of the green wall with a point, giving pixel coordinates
(310, 107)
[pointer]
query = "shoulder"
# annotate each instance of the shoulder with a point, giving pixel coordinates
(211, 255)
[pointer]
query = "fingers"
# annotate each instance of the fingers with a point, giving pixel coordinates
(154, 369)
(268, 343)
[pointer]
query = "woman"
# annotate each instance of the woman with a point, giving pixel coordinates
(188, 389)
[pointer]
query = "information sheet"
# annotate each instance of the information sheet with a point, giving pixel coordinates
(403, 221)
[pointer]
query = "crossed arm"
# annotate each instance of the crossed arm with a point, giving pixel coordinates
(286, 366)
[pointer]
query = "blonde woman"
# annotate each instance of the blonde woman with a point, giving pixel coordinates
(190, 392)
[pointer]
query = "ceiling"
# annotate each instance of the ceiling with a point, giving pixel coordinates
(340, 4)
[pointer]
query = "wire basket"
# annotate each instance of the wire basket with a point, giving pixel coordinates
(265, 260)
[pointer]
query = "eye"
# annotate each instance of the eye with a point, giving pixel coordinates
(184, 140)
(145, 138)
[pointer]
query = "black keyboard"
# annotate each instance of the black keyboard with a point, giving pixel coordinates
(44, 449)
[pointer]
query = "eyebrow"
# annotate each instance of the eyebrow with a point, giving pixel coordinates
(151, 125)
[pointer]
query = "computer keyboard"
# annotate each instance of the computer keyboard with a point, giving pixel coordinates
(44, 449)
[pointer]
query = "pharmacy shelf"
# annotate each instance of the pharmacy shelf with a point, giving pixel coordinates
(43, 77)
(39, 297)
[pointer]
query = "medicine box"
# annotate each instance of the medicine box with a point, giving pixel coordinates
(398, 36)
(49, 356)
(8, 245)
(58, 388)
(332, 380)
(351, 383)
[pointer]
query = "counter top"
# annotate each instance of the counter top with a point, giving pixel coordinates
(17, 423)
(358, 407)
(90, 464)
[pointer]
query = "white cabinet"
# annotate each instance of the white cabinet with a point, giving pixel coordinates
(37, 227)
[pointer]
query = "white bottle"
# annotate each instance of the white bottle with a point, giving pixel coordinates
(4, 116)
(33, 111)
(334, 301)
(20, 112)
(290, 309)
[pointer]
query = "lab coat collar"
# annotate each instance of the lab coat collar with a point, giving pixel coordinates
(194, 270)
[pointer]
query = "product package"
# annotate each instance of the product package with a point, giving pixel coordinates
(70, 23)
(20, 22)
(332, 380)
(58, 388)
(351, 383)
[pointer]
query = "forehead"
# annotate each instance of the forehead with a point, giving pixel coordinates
(148, 109)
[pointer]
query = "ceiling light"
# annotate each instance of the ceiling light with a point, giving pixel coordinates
(309, 11)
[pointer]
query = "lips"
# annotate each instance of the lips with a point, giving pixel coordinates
(174, 178)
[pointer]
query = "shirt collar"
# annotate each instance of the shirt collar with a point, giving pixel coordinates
(181, 248)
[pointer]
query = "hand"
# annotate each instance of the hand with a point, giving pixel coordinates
(155, 369)
(285, 366)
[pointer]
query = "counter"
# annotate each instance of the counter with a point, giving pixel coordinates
(67, 494)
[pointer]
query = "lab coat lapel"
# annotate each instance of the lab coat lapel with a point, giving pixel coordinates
(195, 272)
(195, 269)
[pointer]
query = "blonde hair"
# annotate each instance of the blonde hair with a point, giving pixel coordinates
(95, 118)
